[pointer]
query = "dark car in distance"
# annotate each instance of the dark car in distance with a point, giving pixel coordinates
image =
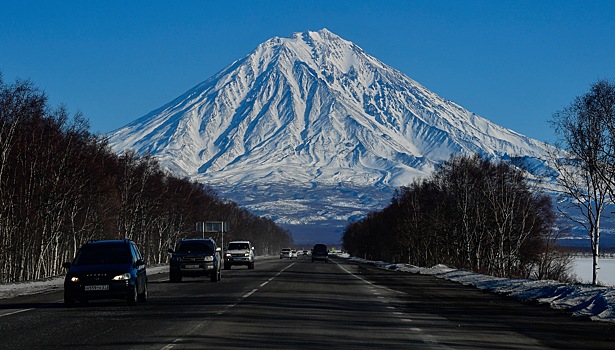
(195, 257)
(109, 269)
(320, 252)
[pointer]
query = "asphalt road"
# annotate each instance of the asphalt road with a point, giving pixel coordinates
(297, 304)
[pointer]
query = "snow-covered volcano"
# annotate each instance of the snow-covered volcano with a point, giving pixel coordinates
(310, 129)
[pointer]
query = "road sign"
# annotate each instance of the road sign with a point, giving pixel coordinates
(216, 226)
(213, 227)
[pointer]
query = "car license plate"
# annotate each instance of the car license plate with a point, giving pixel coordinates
(97, 287)
(192, 266)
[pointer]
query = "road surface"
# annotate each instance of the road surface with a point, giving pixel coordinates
(297, 304)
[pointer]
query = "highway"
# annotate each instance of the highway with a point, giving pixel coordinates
(297, 304)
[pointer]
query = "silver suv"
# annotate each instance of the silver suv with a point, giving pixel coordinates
(239, 253)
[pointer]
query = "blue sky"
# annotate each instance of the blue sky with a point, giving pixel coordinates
(512, 62)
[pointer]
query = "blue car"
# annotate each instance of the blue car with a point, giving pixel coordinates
(110, 269)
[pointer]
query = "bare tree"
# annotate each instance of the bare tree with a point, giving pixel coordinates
(471, 213)
(61, 186)
(585, 131)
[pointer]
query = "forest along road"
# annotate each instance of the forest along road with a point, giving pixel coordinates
(298, 304)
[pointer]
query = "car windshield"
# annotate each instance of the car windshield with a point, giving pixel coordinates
(195, 247)
(103, 254)
(235, 246)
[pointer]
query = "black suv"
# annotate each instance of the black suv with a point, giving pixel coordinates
(195, 257)
(112, 269)
(320, 252)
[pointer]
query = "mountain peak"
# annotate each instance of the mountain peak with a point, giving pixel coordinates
(310, 110)
(319, 50)
(322, 34)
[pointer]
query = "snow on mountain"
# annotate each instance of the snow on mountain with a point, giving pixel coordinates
(311, 129)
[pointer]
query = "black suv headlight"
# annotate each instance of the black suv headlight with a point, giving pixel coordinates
(122, 277)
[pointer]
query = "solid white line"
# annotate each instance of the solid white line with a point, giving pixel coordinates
(359, 277)
(372, 285)
(16, 312)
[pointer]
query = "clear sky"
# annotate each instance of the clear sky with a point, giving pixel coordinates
(512, 62)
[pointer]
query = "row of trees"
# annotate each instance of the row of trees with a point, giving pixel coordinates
(61, 186)
(472, 213)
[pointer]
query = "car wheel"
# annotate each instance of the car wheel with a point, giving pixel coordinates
(132, 295)
(142, 297)
(251, 266)
(214, 276)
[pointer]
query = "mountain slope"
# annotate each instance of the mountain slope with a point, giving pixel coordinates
(313, 112)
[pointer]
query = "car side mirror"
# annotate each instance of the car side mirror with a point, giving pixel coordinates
(139, 262)
(170, 250)
(66, 265)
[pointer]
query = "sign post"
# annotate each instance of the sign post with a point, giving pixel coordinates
(213, 227)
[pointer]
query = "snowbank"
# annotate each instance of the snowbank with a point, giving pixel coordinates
(50, 285)
(595, 302)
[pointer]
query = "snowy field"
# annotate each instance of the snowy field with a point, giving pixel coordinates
(597, 303)
(606, 273)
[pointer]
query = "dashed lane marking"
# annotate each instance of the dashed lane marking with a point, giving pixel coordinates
(172, 344)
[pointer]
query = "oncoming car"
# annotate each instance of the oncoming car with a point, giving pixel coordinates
(195, 257)
(286, 253)
(239, 253)
(110, 269)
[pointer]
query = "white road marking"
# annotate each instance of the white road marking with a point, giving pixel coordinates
(229, 306)
(425, 338)
(16, 312)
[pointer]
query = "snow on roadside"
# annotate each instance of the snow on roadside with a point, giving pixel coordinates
(595, 302)
(49, 285)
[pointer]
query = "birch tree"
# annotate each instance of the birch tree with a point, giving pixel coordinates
(585, 131)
